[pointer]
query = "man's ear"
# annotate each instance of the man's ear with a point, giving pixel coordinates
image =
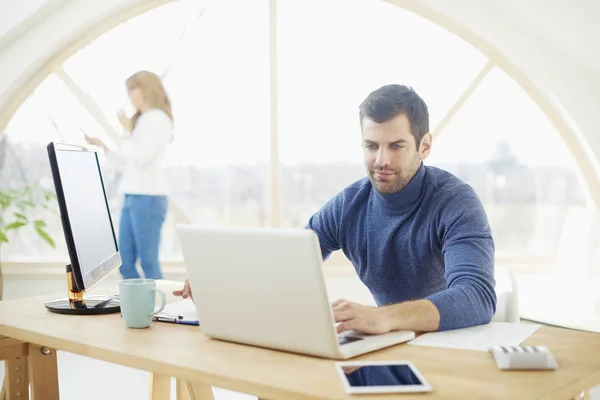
(425, 146)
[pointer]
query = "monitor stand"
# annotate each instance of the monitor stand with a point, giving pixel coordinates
(79, 304)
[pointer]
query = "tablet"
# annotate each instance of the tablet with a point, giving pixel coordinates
(381, 377)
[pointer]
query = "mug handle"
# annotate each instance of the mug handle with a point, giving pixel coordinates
(163, 301)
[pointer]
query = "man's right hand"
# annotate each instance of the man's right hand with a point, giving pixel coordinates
(185, 292)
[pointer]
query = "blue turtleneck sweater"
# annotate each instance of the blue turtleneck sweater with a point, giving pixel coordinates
(431, 240)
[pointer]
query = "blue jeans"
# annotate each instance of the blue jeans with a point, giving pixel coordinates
(142, 218)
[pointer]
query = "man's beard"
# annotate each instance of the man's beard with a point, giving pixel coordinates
(395, 182)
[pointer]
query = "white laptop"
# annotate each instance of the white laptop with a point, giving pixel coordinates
(265, 287)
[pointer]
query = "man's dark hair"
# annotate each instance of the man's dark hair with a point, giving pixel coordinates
(389, 101)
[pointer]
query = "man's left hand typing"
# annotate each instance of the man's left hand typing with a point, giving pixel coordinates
(354, 316)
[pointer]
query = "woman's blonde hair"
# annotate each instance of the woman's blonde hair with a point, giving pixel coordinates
(152, 89)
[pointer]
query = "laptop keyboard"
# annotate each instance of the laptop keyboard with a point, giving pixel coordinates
(343, 339)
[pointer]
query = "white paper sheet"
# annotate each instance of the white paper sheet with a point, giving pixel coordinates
(185, 308)
(480, 337)
(594, 393)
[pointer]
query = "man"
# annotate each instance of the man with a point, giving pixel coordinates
(417, 236)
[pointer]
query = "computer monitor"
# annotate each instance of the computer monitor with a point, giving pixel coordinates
(87, 226)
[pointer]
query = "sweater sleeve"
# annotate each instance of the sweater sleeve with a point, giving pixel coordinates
(326, 224)
(468, 249)
(150, 136)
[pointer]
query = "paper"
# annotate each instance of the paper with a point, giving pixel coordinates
(480, 337)
(594, 393)
(184, 308)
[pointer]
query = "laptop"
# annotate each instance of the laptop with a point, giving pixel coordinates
(265, 287)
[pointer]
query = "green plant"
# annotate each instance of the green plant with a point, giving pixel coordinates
(17, 207)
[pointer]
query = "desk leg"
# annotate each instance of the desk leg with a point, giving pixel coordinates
(181, 390)
(160, 387)
(43, 373)
(15, 384)
(193, 391)
(16, 381)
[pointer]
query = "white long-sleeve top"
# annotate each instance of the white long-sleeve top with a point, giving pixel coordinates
(141, 154)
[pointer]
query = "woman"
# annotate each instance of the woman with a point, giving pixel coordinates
(140, 156)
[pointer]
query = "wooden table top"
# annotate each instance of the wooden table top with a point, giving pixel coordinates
(184, 352)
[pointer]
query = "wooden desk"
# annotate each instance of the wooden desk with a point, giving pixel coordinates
(183, 352)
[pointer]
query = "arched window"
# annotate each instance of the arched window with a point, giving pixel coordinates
(214, 59)
(495, 143)
(218, 83)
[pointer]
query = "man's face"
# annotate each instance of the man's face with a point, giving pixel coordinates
(391, 155)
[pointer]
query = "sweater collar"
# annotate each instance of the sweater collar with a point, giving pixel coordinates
(407, 197)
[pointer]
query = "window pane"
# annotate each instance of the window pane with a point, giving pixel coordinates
(51, 113)
(214, 62)
(502, 144)
(101, 67)
(350, 49)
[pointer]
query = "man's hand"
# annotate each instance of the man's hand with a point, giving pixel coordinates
(185, 292)
(353, 316)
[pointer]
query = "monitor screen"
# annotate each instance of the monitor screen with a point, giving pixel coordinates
(85, 213)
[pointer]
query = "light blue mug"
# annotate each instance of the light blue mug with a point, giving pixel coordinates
(137, 298)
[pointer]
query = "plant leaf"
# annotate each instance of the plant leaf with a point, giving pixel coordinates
(39, 223)
(7, 194)
(14, 225)
(49, 196)
(3, 237)
(21, 217)
(44, 235)
(5, 200)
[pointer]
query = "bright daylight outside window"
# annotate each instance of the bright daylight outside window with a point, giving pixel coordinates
(214, 59)
(324, 74)
(217, 79)
(51, 113)
(489, 143)
(494, 143)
